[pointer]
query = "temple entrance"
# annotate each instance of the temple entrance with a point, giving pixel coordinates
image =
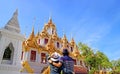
(8, 55)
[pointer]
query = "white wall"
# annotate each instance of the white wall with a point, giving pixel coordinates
(9, 72)
(16, 39)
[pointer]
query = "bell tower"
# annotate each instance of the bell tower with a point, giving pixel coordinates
(11, 46)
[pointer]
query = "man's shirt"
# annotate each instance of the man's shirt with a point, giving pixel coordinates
(68, 63)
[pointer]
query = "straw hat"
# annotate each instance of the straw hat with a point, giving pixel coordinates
(55, 56)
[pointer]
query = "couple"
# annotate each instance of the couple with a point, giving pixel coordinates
(61, 65)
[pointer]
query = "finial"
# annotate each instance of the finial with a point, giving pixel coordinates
(64, 36)
(72, 39)
(37, 34)
(34, 19)
(50, 15)
(32, 31)
(50, 19)
(38, 27)
(63, 32)
(32, 34)
(71, 36)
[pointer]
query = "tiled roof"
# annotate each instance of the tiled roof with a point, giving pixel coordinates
(80, 70)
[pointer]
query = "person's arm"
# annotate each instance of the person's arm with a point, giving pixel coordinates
(59, 64)
(50, 61)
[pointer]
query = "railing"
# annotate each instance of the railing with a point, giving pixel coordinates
(26, 66)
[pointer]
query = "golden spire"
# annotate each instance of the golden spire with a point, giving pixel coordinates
(32, 31)
(72, 42)
(50, 17)
(37, 35)
(76, 52)
(30, 42)
(64, 39)
(64, 42)
(54, 36)
(50, 21)
(50, 25)
(32, 34)
(44, 33)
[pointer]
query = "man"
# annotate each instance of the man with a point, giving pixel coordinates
(66, 62)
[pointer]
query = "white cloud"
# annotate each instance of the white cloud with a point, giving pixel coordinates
(89, 32)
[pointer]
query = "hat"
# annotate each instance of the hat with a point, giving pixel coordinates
(55, 57)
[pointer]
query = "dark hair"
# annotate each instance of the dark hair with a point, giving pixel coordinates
(65, 52)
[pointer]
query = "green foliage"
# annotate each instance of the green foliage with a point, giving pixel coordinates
(92, 71)
(93, 59)
(98, 60)
(116, 66)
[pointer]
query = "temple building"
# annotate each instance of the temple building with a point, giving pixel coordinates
(11, 46)
(22, 55)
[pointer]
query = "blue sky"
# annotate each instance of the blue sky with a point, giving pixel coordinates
(94, 22)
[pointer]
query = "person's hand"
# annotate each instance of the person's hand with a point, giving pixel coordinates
(50, 61)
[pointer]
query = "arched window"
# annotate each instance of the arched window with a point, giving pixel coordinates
(46, 41)
(81, 63)
(52, 31)
(22, 55)
(8, 54)
(43, 58)
(49, 31)
(68, 46)
(71, 49)
(58, 45)
(33, 56)
(75, 62)
(38, 41)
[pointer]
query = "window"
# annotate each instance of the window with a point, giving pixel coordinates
(33, 56)
(46, 41)
(43, 58)
(22, 55)
(49, 31)
(7, 54)
(67, 46)
(52, 31)
(71, 49)
(81, 63)
(39, 41)
(74, 61)
(58, 45)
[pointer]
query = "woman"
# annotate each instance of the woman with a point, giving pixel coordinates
(54, 59)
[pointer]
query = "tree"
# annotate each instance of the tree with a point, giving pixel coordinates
(96, 61)
(88, 53)
(103, 60)
(116, 66)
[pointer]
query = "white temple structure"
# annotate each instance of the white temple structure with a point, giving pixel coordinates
(11, 46)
